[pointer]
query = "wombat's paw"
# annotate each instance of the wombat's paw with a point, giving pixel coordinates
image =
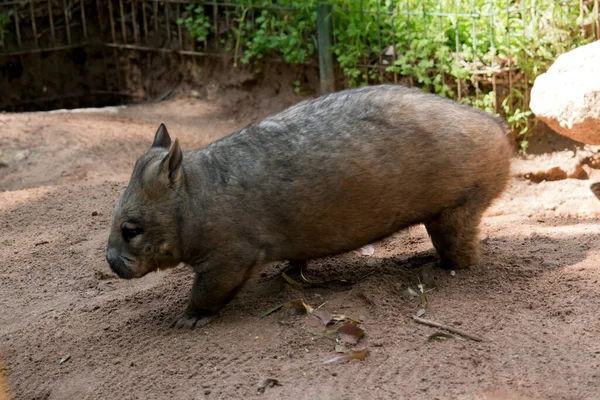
(187, 321)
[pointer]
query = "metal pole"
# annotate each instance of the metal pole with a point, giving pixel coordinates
(325, 34)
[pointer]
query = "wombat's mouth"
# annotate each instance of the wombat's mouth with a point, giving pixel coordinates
(129, 273)
(120, 269)
(125, 267)
(122, 273)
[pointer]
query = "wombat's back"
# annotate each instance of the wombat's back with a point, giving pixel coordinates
(334, 173)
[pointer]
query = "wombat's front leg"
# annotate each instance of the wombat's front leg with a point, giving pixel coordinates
(195, 315)
(214, 286)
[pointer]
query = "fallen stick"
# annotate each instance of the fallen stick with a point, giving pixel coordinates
(448, 328)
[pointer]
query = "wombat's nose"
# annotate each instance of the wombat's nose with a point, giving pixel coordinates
(116, 263)
(111, 255)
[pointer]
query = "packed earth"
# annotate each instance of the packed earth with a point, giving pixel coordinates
(71, 329)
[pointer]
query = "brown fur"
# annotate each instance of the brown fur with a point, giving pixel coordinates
(323, 177)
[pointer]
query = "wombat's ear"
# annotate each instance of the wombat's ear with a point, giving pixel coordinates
(171, 164)
(162, 139)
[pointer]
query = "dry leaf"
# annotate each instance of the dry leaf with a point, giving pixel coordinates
(306, 285)
(292, 281)
(353, 355)
(422, 296)
(340, 348)
(350, 333)
(440, 335)
(271, 310)
(324, 316)
(302, 271)
(336, 319)
(297, 307)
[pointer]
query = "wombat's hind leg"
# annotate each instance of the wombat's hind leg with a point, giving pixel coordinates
(454, 234)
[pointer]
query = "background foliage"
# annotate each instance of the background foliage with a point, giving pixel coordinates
(4, 20)
(485, 53)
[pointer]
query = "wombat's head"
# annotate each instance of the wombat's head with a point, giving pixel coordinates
(143, 237)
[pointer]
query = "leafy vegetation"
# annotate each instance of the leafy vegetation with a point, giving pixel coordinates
(485, 53)
(4, 20)
(196, 23)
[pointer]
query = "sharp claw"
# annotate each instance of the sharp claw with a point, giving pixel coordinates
(192, 322)
(202, 322)
(185, 323)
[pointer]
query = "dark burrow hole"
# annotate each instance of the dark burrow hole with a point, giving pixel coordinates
(83, 76)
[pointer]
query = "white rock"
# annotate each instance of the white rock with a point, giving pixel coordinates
(567, 96)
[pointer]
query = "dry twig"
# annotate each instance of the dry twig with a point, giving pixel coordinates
(448, 328)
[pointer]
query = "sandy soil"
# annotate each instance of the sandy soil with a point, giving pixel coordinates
(535, 298)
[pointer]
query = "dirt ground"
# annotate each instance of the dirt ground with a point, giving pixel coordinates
(535, 297)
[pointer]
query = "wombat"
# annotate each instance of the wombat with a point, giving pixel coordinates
(323, 177)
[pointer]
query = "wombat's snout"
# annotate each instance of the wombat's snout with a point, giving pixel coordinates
(117, 264)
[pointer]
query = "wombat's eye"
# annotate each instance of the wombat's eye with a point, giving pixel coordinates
(130, 233)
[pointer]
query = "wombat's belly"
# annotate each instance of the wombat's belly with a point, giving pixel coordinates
(340, 207)
(340, 226)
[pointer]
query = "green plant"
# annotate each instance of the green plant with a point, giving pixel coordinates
(356, 40)
(297, 86)
(262, 30)
(196, 22)
(455, 48)
(519, 121)
(4, 20)
(485, 102)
